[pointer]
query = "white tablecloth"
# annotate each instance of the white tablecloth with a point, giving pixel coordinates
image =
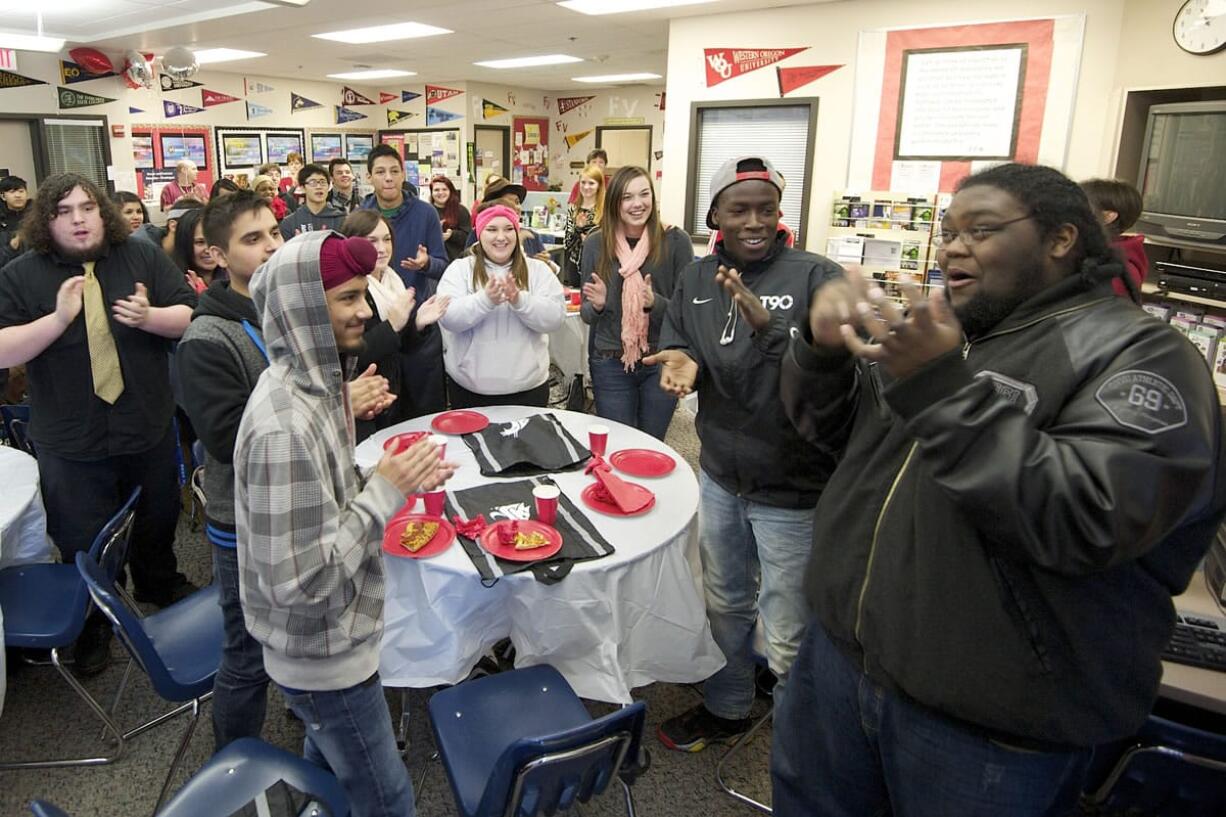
(613, 624)
(568, 347)
(23, 522)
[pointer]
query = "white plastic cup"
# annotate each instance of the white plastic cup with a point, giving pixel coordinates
(441, 442)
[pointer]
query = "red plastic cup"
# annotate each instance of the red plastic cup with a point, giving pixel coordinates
(434, 502)
(441, 442)
(398, 443)
(546, 497)
(575, 296)
(598, 438)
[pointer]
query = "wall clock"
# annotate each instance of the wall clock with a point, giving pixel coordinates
(1200, 26)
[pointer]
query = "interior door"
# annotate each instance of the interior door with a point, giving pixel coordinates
(18, 157)
(627, 146)
(491, 147)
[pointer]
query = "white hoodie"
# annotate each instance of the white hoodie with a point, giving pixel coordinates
(493, 348)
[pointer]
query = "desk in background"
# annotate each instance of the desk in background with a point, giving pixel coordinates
(1204, 688)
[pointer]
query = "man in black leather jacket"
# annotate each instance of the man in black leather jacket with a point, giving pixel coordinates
(1026, 481)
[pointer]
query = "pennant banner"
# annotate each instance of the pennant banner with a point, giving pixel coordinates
(10, 80)
(491, 109)
(70, 72)
(169, 83)
(210, 98)
(352, 97)
(394, 116)
(408, 96)
(792, 78)
(726, 63)
(437, 93)
(250, 87)
(255, 111)
(385, 97)
(178, 109)
(297, 102)
(344, 115)
(134, 110)
(569, 103)
(77, 99)
(435, 116)
(573, 139)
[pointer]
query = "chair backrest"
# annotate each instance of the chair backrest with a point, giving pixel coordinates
(41, 808)
(16, 420)
(543, 775)
(110, 546)
(197, 454)
(1169, 768)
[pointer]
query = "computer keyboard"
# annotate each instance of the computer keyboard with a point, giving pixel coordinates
(1199, 641)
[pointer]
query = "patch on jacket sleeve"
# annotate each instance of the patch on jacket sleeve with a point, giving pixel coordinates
(1017, 392)
(1143, 400)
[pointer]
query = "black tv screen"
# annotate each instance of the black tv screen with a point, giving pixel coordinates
(1183, 173)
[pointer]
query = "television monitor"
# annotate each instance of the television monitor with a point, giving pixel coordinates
(1183, 174)
(242, 150)
(357, 148)
(185, 146)
(280, 146)
(325, 147)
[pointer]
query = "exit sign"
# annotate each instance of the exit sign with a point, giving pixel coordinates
(8, 59)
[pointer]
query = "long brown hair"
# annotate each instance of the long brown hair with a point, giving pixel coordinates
(450, 215)
(519, 265)
(611, 221)
(36, 226)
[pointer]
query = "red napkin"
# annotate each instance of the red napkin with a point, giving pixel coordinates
(472, 528)
(619, 491)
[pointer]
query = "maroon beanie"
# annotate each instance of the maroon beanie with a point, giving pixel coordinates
(343, 258)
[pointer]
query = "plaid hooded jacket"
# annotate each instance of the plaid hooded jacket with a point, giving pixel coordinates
(309, 525)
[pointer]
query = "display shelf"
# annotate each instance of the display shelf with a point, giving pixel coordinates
(888, 234)
(1153, 289)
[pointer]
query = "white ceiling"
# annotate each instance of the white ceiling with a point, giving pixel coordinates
(484, 30)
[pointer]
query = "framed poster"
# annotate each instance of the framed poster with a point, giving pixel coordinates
(183, 146)
(325, 147)
(242, 150)
(142, 151)
(358, 147)
(281, 145)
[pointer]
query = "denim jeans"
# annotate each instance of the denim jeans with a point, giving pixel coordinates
(349, 732)
(634, 398)
(845, 746)
(240, 689)
(745, 544)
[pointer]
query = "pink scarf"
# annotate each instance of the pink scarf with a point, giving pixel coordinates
(634, 298)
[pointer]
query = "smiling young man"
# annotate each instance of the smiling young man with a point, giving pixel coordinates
(1032, 469)
(344, 195)
(420, 258)
(309, 524)
(92, 313)
(317, 211)
(724, 334)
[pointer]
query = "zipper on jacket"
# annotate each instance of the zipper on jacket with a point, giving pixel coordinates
(872, 551)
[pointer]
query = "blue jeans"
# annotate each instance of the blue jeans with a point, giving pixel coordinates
(240, 689)
(349, 732)
(845, 746)
(745, 544)
(633, 398)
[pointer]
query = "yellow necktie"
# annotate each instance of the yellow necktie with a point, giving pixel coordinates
(103, 359)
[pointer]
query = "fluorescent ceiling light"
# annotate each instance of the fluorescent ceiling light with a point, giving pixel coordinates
(30, 42)
(528, 62)
(208, 55)
(620, 6)
(374, 73)
(618, 78)
(379, 34)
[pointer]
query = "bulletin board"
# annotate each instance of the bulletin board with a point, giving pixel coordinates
(253, 142)
(156, 149)
(427, 152)
(530, 152)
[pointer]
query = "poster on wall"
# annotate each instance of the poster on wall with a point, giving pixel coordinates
(723, 64)
(176, 147)
(281, 145)
(530, 153)
(242, 150)
(326, 146)
(357, 148)
(142, 151)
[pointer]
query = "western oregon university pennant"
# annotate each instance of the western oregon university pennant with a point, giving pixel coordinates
(437, 93)
(70, 98)
(298, 102)
(568, 103)
(210, 98)
(792, 78)
(727, 63)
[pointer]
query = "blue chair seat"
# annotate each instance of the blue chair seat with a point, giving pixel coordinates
(43, 605)
(187, 635)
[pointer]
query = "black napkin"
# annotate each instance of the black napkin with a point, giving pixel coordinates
(533, 445)
(513, 500)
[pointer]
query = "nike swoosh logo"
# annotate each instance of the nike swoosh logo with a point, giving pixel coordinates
(703, 301)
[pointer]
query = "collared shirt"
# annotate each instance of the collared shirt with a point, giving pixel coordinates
(66, 417)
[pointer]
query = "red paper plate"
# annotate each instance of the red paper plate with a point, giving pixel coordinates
(459, 422)
(408, 438)
(589, 499)
(643, 462)
(396, 525)
(489, 540)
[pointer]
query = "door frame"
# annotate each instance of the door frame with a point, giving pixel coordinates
(505, 131)
(651, 135)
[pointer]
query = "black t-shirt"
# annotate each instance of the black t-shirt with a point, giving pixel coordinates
(66, 417)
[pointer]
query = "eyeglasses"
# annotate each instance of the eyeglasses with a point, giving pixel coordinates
(316, 183)
(976, 234)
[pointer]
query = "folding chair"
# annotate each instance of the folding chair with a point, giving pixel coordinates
(196, 481)
(178, 647)
(521, 743)
(45, 607)
(16, 423)
(236, 776)
(759, 654)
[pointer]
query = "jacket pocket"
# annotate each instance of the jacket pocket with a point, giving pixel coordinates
(1022, 611)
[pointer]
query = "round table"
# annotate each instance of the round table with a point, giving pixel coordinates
(613, 624)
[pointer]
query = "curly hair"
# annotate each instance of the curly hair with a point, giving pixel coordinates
(36, 227)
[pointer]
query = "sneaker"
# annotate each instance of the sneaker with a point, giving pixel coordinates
(764, 683)
(179, 589)
(693, 730)
(92, 651)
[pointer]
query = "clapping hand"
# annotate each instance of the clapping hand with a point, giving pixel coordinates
(510, 290)
(400, 307)
(678, 371)
(419, 262)
(750, 306)
(596, 291)
(432, 311)
(369, 394)
(133, 310)
(493, 291)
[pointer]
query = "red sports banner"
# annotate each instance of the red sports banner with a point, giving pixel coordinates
(792, 78)
(210, 98)
(385, 97)
(437, 93)
(726, 63)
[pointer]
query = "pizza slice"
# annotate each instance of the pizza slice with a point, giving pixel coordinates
(417, 535)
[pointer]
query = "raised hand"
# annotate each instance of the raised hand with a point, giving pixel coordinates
(903, 343)
(432, 310)
(596, 291)
(678, 371)
(510, 290)
(133, 310)
(369, 394)
(417, 468)
(68, 300)
(418, 262)
(400, 308)
(493, 291)
(750, 306)
(649, 298)
(195, 281)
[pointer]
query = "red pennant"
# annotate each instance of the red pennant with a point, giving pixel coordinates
(792, 78)
(726, 63)
(385, 97)
(210, 98)
(437, 93)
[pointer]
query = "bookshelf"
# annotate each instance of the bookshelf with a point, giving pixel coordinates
(889, 235)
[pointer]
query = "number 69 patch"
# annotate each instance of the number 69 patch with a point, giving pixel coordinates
(1143, 400)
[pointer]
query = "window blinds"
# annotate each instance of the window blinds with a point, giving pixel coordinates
(77, 147)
